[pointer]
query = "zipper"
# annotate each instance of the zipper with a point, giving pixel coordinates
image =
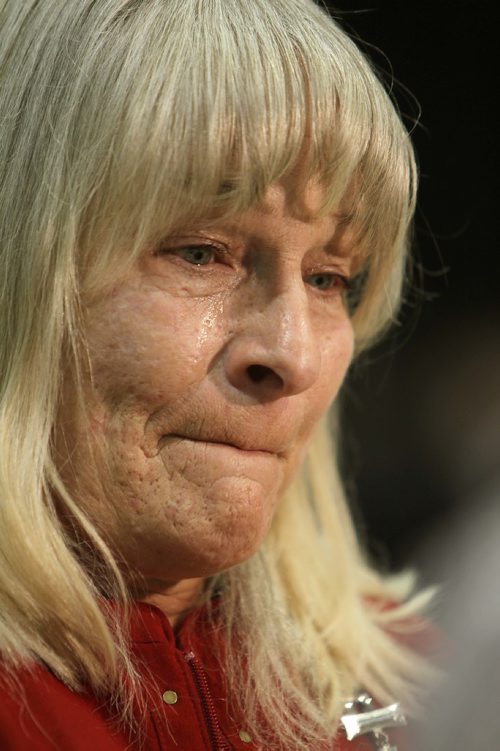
(219, 743)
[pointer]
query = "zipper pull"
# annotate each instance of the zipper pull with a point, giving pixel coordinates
(361, 719)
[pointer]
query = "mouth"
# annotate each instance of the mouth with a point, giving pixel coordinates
(238, 447)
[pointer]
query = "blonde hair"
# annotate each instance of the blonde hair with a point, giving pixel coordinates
(121, 120)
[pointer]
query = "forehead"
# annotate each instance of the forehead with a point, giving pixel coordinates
(302, 201)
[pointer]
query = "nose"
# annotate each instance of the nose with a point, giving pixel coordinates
(274, 351)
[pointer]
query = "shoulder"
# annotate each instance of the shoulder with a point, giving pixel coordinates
(37, 711)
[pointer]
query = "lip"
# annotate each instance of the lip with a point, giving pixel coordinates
(230, 445)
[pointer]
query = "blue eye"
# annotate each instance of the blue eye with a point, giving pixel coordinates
(198, 255)
(326, 281)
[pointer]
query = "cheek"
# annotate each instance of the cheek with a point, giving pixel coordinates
(336, 357)
(337, 351)
(152, 353)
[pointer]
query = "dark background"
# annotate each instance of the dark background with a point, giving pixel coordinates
(422, 411)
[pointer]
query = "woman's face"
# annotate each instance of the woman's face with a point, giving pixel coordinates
(211, 364)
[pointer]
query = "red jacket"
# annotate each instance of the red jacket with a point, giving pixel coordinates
(186, 710)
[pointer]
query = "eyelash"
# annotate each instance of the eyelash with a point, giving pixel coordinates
(177, 251)
(345, 281)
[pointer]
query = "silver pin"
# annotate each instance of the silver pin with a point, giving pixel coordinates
(359, 719)
(364, 700)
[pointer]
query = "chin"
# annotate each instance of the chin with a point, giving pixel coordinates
(227, 556)
(211, 554)
(234, 558)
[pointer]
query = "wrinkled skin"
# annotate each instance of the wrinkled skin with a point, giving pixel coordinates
(212, 362)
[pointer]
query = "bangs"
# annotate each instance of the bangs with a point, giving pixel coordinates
(210, 104)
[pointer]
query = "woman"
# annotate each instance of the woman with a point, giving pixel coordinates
(204, 214)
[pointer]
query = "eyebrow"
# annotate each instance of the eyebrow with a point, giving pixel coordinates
(333, 246)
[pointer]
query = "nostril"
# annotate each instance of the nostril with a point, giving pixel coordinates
(259, 373)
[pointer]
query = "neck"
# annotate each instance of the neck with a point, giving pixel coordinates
(174, 600)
